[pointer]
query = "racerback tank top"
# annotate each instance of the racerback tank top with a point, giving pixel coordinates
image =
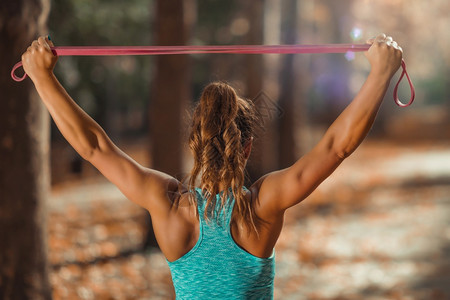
(216, 267)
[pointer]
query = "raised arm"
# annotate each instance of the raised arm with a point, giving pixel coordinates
(146, 187)
(285, 188)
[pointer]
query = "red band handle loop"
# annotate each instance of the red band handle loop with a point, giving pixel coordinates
(13, 74)
(411, 87)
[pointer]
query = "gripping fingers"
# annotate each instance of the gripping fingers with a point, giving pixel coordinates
(35, 44)
(395, 45)
(49, 42)
(381, 38)
(43, 42)
(389, 40)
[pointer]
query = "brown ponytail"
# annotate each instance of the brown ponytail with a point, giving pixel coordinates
(222, 125)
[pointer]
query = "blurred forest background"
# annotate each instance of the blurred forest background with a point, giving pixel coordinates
(379, 228)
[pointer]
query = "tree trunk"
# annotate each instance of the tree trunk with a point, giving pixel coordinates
(24, 150)
(171, 91)
(290, 90)
(254, 12)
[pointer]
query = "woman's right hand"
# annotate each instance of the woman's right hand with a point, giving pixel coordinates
(39, 61)
(385, 55)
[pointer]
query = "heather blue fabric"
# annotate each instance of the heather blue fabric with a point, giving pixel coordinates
(216, 267)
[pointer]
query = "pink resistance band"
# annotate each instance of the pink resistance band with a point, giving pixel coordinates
(241, 49)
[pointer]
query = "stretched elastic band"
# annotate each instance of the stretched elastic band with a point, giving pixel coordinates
(241, 49)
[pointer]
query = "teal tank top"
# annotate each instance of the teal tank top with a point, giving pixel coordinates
(216, 267)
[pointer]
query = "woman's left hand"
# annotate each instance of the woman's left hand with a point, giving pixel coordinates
(39, 61)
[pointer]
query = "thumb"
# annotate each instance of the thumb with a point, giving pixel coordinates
(371, 40)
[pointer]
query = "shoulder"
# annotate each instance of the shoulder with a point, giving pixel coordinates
(263, 196)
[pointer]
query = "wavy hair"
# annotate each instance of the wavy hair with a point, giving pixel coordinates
(222, 125)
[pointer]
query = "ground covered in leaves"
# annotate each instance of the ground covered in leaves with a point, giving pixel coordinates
(379, 228)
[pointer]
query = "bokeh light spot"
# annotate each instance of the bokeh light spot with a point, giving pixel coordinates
(350, 55)
(356, 33)
(240, 26)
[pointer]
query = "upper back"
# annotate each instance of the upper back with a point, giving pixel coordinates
(217, 267)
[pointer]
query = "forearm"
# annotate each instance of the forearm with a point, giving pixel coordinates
(79, 129)
(354, 123)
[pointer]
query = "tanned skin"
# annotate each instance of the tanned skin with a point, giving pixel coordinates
(177, 226)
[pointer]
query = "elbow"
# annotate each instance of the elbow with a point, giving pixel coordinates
(89, 145)
(87, 153)
(342, 148)
(345, 148)
(342, 142)
(342, 154)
